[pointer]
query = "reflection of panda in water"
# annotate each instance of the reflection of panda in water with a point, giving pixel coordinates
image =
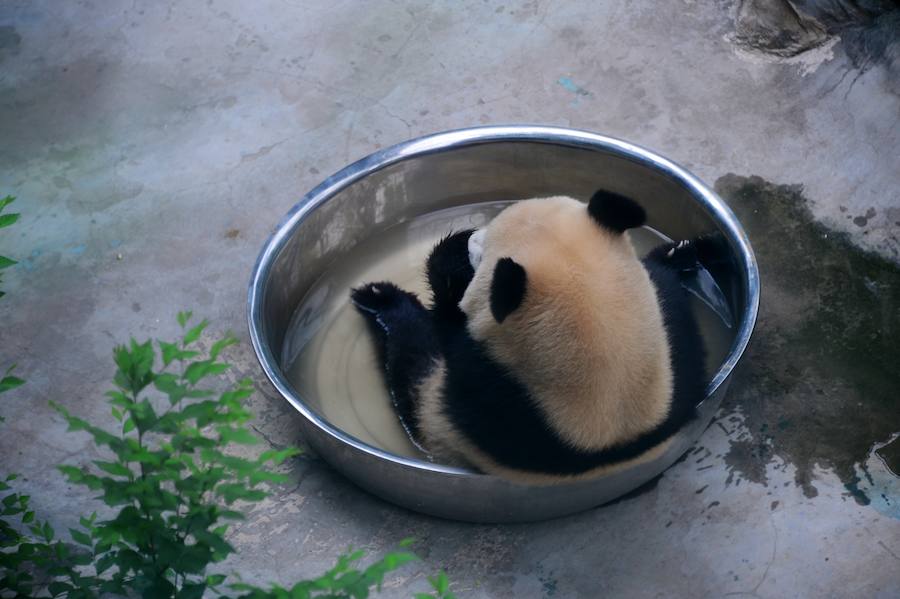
(550, 350)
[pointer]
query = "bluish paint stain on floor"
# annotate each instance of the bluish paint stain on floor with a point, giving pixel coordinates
(573, 87)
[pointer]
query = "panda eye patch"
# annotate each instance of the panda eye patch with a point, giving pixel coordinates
(508, 288)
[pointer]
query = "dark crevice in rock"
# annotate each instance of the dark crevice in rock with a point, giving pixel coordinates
(776, 27)
(870, 29)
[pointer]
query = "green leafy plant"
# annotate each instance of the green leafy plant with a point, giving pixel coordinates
(5, 221)
(8, 381)
(174, 485)
(441, 586)
(344, 580)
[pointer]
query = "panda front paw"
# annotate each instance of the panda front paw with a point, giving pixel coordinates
(450, 270)
(712, 248)
(375, 298)
(682, 256)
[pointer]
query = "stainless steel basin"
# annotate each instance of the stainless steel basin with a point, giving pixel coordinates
(456, 168)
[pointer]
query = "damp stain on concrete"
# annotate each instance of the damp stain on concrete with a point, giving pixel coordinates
(10, 41)
(863, 219)
(889, 454)
(548, 584)
(818, 386)
(92, 201)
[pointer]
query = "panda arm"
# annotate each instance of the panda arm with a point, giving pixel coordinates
(667, 265)
(405, 341)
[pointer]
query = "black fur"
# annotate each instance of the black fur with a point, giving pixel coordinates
(616, 213)
(714, 253)
(508, 288)
(405, 341)
(449, 272)
(712, 250)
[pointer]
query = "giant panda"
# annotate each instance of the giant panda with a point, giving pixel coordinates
(550, 351)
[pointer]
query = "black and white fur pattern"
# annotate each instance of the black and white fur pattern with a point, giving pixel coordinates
(456, 387)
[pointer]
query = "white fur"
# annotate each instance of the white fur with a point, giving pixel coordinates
(476, 247)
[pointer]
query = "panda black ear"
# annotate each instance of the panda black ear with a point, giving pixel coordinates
(507, 288)
(616, 213)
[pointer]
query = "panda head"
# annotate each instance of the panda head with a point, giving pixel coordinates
(538, 254)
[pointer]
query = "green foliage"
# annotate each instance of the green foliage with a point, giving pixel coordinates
(8, 381)
(173, 485)
(343, 580)
(5, 221)
(441, 586)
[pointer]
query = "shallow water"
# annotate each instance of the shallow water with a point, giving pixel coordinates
(328, 351)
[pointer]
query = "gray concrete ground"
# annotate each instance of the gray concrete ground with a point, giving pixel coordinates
(154, 145)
